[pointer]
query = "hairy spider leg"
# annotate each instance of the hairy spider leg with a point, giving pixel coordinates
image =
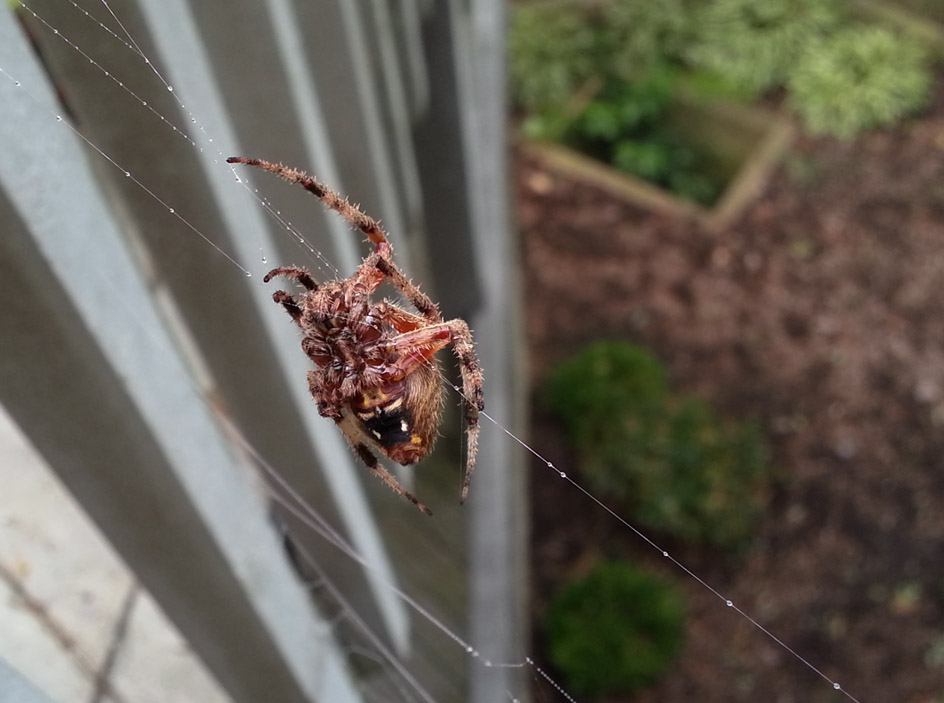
(290, 304)
(382, 255)
(342, 206)
(418, 299)
(284, 299)
(297, 272)
(418, 346)
(401, 320)
(458, 334)
(355, 438)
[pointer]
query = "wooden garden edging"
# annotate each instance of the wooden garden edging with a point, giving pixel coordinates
(747, 141)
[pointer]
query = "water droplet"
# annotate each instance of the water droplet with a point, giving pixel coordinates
(171, 210)
(248, 275)
(665, 554)
(469, 650)
(58, 118)
(144, 103)
(170, 89)
(127, 174)
(729, 603)
(550, 465)
(56, 32)
(836, 685)
(16, 83)
(563, 475)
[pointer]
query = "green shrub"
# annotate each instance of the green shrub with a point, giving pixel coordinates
(861, 77)
(674, 464)
(613, 631)
(641, 37)
(611, 393)
(753, 44)
(624, 125)
(599, 77)
(555, 46)
(552, 50)
(707, 484)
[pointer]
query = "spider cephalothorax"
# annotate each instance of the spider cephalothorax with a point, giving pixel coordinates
(375, 374)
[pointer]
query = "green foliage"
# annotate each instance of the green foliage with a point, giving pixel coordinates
(704, 486)
(610, 389)
(674, 463)
(614, 631)
(754, 44)
(552, 49)
(641, 37)
(624, 125)
(555, 46)
(861, 77)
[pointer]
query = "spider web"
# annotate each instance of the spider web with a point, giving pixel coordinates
(360, 640)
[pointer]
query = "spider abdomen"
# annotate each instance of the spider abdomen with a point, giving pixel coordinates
(401, 417)
(388, 426)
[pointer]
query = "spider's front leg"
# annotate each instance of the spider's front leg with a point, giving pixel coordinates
(292, 307)
(290, 304)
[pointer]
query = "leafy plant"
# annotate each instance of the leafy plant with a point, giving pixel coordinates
(644, 36)
(552, 49)
(861, 77)
(614, 631)
(674, 463)
(625, 125)
(600, 79)
(611, 393)
(706, 486)
(555, 46)
(754, 44)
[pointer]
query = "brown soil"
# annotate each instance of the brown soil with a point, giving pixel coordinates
(821, 314)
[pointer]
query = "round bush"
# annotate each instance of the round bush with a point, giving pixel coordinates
(861, 77)
(609, 397)
(613, 631)
(709, 483)
(672, 463)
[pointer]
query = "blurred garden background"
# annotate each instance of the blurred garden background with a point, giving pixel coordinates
(755, 380)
